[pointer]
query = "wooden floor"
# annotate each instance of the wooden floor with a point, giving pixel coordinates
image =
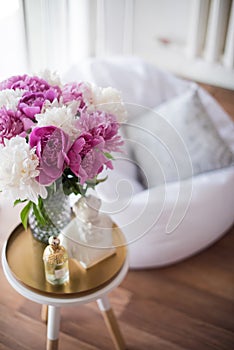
(188, 306)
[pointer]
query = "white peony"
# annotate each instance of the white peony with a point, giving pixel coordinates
(107, 100)
(10, 98)
(62, 117)
(52, 78)
(55, 103)
(18, 170)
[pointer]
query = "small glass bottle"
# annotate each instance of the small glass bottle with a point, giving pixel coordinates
(56, 262)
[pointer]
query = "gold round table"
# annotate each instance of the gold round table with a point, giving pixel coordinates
(23, 267)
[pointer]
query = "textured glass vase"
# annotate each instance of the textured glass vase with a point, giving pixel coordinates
(58, 212)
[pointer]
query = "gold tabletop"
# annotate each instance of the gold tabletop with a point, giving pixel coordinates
(24, 257)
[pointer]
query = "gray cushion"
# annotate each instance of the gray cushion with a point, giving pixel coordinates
(177, 140)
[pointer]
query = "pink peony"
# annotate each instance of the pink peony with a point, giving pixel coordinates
(25, 82)
(92, 164)
(8, 83)
(76, 92)
(103, 126)
(31, 103)
(99, 132)
(63, 126)
(52, 145)
(74, 155)
(10, 124)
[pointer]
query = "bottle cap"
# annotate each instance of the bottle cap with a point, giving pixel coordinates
(54, 241)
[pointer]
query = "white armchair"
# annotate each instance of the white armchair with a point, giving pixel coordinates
(168, 221)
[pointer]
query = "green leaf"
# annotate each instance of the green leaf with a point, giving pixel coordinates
(108, 155)
(92, 183)
(40, 204)
(24, 214)
(39, 212)
(71, 183)
(101, 180)
(17, 201)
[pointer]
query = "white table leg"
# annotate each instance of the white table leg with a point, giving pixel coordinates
(111, 322)
(53, 327)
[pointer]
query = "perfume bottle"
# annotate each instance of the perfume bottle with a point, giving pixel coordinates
(56, 262)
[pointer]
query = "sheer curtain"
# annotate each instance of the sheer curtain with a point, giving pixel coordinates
(40, 34)
(13, 57)
(58, 33)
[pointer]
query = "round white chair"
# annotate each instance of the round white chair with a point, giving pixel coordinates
(163, 224)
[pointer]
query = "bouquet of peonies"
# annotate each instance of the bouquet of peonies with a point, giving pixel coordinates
(51, 132)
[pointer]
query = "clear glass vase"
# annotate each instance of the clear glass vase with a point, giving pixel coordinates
(56, 209)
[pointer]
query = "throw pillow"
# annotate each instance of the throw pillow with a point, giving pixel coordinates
(177, 140)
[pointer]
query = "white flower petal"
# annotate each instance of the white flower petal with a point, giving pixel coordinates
(10, 98)
(52, 78)
(18, 170)
(61, 117)
(107, 100)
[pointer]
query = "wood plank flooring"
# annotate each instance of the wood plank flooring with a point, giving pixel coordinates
(188, 306)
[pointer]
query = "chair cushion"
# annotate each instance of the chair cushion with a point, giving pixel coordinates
(177, 140)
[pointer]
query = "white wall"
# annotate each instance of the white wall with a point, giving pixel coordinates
(187, 37)
(155, 20)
